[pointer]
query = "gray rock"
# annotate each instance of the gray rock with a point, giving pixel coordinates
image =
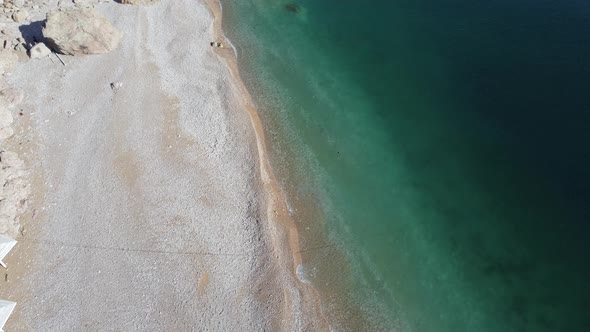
(116, 85)
(80, 31)
(39, 51)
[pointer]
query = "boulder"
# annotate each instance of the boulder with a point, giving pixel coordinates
(20, 15)
(80, 31)
(39, 51)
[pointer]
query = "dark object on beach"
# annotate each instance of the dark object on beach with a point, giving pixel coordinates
(293, 8)
(216, 44)
(212, 44)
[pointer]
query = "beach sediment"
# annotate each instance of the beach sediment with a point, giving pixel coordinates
(157, 208)
(282, 227)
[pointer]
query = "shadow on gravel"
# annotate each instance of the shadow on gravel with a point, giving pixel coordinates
(32, 32)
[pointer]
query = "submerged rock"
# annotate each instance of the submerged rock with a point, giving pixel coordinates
(80, 31)
(293, 8)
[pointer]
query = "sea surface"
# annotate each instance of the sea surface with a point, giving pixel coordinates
(436, 155)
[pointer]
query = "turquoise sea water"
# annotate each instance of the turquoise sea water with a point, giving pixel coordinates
(436, 155)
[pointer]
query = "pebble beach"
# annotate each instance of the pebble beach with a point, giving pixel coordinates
(149, 203)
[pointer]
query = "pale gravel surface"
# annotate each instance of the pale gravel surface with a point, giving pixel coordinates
(150, 213)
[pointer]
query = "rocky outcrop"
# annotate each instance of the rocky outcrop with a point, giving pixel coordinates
(14, 184)
(14, 190)
(80, 31)
(8, 98)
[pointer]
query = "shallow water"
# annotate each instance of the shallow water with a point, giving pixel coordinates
(436, 155)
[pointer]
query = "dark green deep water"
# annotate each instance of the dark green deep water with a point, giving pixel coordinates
(446, 146)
